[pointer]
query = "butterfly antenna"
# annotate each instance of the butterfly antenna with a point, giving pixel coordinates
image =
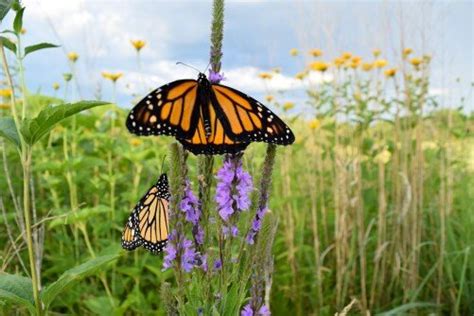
(181, 63)
(207, 67)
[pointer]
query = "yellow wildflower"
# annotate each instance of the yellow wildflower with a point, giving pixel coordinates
(429, 145)
(346, 55)
(338, 62)
(135, 142)
(269, 98)
(294, 52)
(288, 106)
(4, 106)
(138, 44)
(23, 30)
(390, 72)
(314, 123)
(112, 76)
(5, 92)
(357, 96)
(73, 56)
(415, 61)
(367, 66)
(376, 52)
(319, 66)
(316, 52)
(355, 62)
(56, 86)
(356, 59)
(383, 157)
(265, 75)
(301, 75)
(407, 51)
(380, 63)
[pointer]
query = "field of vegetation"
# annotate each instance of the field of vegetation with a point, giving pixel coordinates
(373, 203)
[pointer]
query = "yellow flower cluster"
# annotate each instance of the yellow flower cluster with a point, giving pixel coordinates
(390, 72)
(73, 56)
(265, 75)
(319, 66)
(138, 44)
(380, 63)
(294, 52)
(288, 106)
(112, 76)
(56, 86)
(5, 93)
(314, 123)
(316, 52)
(269, 98)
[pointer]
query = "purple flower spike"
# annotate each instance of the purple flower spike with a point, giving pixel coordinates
(215, 77)
(189, 255)
(256, 225)
(264, 311)
(217, 264)
(190, 205)
(233, 188)
(247, 311)
(170, 251)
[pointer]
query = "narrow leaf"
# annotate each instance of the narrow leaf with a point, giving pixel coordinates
(74, 275)
(33, 48)
(33, 129)
(18, 22)
(17, 290)
(8, 130)
(5, 6)
(5, 41)
(403, 309)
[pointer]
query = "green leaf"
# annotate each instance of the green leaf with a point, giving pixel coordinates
(403, 309)
(7, 43)
(5, 6)
(78, 216)
(18, 22)
(8, 130)
(17, 290)
(33, 129)
(74, 275)
(33, 48)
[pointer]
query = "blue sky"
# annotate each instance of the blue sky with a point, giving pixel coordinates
(258, 36)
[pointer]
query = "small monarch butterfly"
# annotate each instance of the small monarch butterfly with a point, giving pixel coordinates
(148, 223)
(207, 118)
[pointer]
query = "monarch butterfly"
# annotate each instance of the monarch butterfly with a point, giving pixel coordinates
(148, 223)
(207, 118)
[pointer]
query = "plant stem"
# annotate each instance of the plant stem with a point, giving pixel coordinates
(26, 164)
(26, 167)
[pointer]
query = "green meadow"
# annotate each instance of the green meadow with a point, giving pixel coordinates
(373, 203)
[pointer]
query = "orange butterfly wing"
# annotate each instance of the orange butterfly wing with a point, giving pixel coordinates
(169, 110)
(246, 120)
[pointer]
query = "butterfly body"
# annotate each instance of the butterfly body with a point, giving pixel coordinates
(207, 118)
(147, 226)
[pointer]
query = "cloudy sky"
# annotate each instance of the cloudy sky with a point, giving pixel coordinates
(258, 36)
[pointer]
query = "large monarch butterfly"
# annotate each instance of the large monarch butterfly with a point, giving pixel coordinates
(148, 223)
(207, 118)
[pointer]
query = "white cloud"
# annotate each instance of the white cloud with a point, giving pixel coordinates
(245, 79)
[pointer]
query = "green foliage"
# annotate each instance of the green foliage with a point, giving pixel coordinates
(34, 129)
(39, 46)
(8, 130)
(74, 275)
(17, 290)
(18, 21)
(7, 43)
(5, 6)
